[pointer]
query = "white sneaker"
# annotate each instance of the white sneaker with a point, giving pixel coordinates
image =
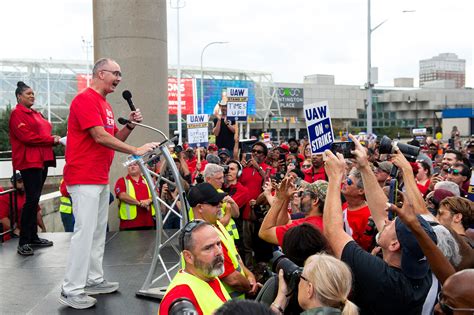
(79, 302)
(102, 288)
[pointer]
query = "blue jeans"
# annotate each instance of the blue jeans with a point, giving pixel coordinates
(68, 221)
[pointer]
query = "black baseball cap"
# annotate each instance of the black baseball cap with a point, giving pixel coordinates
(204, 193)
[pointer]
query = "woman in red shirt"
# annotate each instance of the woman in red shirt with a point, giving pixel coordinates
(32, 154)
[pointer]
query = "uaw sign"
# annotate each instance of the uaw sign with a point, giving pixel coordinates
(237, 99)
(318, 123)
(198, 135)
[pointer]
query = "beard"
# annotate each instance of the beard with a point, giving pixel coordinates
(212, 270)
(305, 207)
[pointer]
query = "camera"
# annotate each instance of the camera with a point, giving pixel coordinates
(182, 306)
(226, 169)
(291, 271)
(409, 151)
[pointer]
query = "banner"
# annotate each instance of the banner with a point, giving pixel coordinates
(187, 96)
(318, 123)
(198, 134)
(237, 99)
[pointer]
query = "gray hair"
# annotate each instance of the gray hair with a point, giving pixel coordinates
(450, 186)
(358, 176)
(448, 245)
(99, 64)
(212, 169)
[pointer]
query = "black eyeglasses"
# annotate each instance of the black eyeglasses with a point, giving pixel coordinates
(188, 228)
(304, 278)
(115, 73)
(257, 151)
(448, 310)
(454, 171)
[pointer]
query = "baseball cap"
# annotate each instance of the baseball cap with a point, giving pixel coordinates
(285, 147)
(212, 147)
(319, 187)
(16, 177)
(414, 263)
(204, 192)
(385, 166)
(223, 151)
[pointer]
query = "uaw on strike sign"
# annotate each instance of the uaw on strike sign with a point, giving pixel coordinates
(318, 123)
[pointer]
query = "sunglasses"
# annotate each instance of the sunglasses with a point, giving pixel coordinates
(306, 166)
(257, 151)
(349, 181)
(449, 310)
(454, 171)
(188, 229)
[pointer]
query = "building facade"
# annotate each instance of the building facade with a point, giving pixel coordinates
(446, 66)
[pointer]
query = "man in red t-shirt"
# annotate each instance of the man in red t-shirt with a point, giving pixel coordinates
(357, 213)
(316, 172)
(204, 262)
(136, 199)
(91, 141)
(254, 172)
(277, 222)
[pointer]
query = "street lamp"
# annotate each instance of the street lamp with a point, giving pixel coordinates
(369, 84)
(202, 73)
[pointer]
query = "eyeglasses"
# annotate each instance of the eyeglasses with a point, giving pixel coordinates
(304, 278)
(349, 181)
(454, 171)
(257, 151)
(188, 228)
(115, 73)
(306, 166)
(448, 310)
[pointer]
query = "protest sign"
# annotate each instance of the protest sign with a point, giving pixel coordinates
(198, 134)
(237, 99)
(318, 123)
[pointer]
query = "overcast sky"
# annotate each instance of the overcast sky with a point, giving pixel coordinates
(290, 39)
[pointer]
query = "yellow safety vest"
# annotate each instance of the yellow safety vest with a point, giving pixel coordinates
(65, 205)
(231, 227)
(128, 211)
(205, 296)
(228, 242)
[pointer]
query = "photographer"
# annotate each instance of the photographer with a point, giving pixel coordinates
(324, 286)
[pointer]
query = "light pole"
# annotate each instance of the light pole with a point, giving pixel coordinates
(178, 70)
(202, 73)
(369, 84)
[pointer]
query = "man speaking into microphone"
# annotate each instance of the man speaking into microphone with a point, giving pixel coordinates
(92, 139)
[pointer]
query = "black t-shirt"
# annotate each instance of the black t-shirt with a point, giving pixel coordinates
(381, 289)
(225, 138)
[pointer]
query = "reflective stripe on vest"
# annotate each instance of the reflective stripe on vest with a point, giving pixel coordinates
(229, 244)
(128, 211)
(206, 297)
(65, 205)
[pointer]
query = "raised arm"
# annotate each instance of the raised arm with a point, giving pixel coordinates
(374, 194)
(332, 215)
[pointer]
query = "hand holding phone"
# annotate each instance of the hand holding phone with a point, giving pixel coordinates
(344, 147)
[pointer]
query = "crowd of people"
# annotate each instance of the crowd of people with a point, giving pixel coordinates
(378, 233)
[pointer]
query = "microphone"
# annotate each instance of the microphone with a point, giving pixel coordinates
(127, 95)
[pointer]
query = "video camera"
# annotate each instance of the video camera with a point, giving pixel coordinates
(182, 306)
(409, 151)
(291, 271)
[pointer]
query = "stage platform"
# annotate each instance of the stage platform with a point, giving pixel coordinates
(31, 285)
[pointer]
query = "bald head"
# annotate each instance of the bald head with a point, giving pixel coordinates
(458, 291)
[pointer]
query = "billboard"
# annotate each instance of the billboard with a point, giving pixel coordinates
(214, 90)
(290, 97)
(187, 96)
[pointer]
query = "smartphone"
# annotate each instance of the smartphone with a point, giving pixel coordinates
(248, 156)
(344, 148)
(282, 157)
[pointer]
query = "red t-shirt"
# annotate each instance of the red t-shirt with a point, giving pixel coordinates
(314, 220)
(88, 109)
(310, 176)
(251, 179)
(183, 291)
(424, 188)
(239, 193)
(357, 220)
(144, 217)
